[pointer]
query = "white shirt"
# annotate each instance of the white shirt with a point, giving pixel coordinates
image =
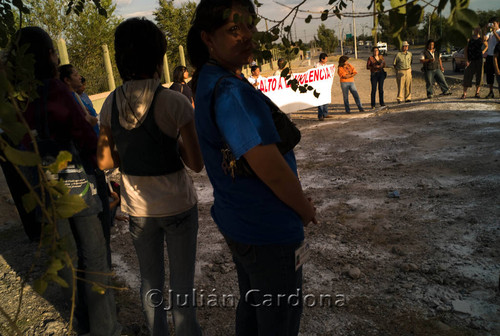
(257, 80)
(492, 42)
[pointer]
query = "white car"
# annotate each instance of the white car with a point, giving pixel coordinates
(382, 47)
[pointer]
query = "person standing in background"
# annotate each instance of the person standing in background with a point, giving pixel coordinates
(255, 78)
(376, 65)
(433, 69)
(322, 109)
(473, 54)
(83, 95)
(492, 37)
(181, 74)
(346, 74)
(402, 64)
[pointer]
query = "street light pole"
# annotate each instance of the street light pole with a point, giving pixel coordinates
(354, 32)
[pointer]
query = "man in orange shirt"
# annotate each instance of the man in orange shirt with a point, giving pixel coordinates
(346, 74)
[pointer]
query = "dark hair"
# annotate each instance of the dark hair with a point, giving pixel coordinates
(254, 67)
(208, 17)
(373, 48)
(342, 60)
(65, 71)
(281, 63)
(139, 48)
(429, 42)
(40, 46)
(83, 79)
(322, 56)
(493, 19)
(179, 74)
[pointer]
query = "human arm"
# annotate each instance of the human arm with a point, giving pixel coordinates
(440, 63)
(272, 169)
(466, 53)
(495, 59)
(189, 147)
(107, 157)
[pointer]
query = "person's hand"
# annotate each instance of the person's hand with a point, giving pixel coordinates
(467, 63)
(91, 120)
(311, 217)
(495, 25)
(114, 196)
(442, 69)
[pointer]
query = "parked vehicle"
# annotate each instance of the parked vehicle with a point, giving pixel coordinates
(445, 55)
(458, 60)
(382, 47)
(347, 51)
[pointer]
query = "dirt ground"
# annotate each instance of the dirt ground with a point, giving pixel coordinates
(408, 235)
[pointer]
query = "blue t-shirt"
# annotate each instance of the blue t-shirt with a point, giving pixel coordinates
(245, 209)
(91, 110)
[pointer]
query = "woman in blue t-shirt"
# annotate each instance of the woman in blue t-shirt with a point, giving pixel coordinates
(261, 217)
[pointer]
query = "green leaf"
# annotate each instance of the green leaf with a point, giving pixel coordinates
(55, 266)
(287, 29)
(98, 289)
(396, 4)
(68, 205)
(14, 130)
(316, 94)
(415, 15)
(275, 31)
(21, 158)
(267, 55)
(309, 18)
(324, 15)
(58, 280)
(286, 42)
(285, 72)
(40, 285)
(61, 162)
(29, 201)
(302, 89)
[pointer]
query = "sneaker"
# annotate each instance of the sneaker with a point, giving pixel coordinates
(321, 118)
(382, 104)
(490, 95)
(361, 110)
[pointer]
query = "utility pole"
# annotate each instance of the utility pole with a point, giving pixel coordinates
(339, 32)
(375, 23)
(354, 32)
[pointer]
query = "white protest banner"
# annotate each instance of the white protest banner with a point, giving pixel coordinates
(321, 79)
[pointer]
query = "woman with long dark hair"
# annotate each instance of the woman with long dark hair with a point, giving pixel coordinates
(181, 74)
(61, 124)
(376, 65)
(143, 120)
(260, 214)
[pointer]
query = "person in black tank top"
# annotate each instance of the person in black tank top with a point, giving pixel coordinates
(473, 53)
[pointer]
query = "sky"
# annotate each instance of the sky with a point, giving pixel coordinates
(301, 30)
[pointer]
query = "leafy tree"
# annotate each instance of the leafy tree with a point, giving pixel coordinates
(86, 35)
(174, 22)
(49, 15)
(326, 39)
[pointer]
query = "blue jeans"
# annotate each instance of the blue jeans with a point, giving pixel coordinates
(377, 78)
(346, 87)
(322, 111)
(264, 272)
(149, 235)
(437, 75)
(94, 313)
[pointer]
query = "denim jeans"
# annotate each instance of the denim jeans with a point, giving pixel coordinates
(149, 235)
(377, 78)
(94, 313)
(264, 272)
(437, 75)
(322, 111)
(346, 87)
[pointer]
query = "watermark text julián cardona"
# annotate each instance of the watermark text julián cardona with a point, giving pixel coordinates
(255, 297)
